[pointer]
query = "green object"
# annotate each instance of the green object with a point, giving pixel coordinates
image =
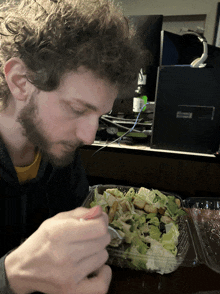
(135, 135)
(155, 233)
(145, 101)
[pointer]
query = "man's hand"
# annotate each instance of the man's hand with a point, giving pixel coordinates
(60, 256)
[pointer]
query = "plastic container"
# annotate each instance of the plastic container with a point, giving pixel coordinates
(204, 225)
(117, 255)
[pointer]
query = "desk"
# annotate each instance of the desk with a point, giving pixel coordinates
(184, 173)
(184, 280)
(187, 174)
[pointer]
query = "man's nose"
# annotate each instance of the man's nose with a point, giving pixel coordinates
(87, 129)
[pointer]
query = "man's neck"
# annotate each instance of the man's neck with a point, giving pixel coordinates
(20, 155)
(23, 158)
(20, 150)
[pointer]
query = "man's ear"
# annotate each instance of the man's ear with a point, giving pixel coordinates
(15, 75)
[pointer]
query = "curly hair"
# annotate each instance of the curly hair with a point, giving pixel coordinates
(56, 36)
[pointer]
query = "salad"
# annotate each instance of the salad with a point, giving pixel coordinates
(148, 222)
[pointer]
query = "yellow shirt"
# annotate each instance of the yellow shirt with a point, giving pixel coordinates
(26, 173)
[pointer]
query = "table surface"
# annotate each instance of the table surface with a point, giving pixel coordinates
(144, 147)
(185, 280)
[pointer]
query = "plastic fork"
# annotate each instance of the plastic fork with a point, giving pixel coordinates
(116, 238)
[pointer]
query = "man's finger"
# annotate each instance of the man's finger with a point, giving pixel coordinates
(90, 264)
(94, 212)
(81, 250)
(99, 284)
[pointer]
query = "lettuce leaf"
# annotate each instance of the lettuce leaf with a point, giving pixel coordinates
(115, 192)
(136, 261)
(154, 221)
(109, 198)
(130, 194)
(160, 199)
(159, 259)
(169, 240)
(155, 233)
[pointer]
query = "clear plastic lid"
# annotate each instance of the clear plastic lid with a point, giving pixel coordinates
(205, 228)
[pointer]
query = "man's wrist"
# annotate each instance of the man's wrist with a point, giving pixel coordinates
(15, 281)
(9, 290)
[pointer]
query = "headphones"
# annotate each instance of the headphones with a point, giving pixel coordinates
(199, 62)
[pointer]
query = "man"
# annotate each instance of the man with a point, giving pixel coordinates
(63, 63)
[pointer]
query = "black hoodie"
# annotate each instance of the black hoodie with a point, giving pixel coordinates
(23, 207)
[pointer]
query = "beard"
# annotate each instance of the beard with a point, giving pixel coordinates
(34, 132)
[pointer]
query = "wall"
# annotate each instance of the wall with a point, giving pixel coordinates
(176, 7)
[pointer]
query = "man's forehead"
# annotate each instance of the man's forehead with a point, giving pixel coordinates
(85, 87)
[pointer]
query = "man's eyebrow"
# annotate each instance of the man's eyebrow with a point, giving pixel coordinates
(87, 105)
